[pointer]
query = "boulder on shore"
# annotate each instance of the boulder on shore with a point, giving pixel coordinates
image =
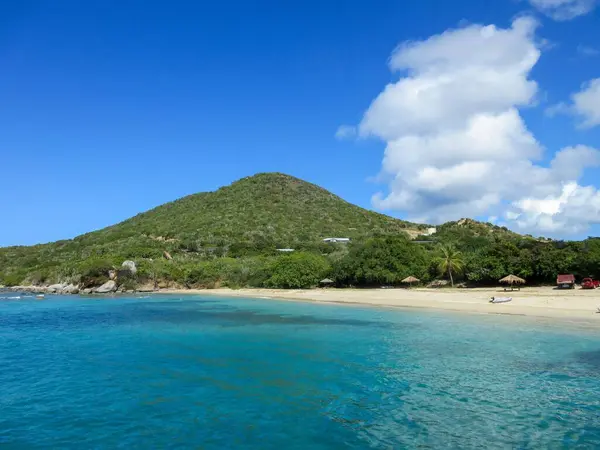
(55, 288)
(70, 289)
(129, 265)
(59, 288)
(109, 286)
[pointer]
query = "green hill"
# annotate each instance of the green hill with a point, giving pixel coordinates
(254, 215)
(265, 209)
(230, 238)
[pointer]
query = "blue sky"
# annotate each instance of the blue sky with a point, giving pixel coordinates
(110, 108)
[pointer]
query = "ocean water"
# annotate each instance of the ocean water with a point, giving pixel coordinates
(212, 373)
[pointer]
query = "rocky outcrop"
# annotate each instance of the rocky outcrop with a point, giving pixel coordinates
(167, 255)
(58, 288)
(55, 288)
(129, 265)
(109, 286)
(70, 289)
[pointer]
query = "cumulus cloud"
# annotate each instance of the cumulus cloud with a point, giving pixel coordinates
(456, 144)
(570, 211)
(584, 104)
(564, 9)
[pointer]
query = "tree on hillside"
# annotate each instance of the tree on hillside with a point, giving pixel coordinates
(381, 260)
(297, 271)
(589, 258)
(449, 261)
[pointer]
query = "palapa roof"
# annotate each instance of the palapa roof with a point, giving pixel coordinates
(512, 279)
(327, 281)
(411, 279)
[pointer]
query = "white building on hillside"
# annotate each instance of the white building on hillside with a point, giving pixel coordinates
(336, 240)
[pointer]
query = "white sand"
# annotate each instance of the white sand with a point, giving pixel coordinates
(537, 302)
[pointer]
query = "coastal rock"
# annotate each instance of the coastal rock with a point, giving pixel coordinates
(86, 291)
(109, 286)
(70, 289)
(129, 265)
(55, 288)
(58, 288)
(112, 274)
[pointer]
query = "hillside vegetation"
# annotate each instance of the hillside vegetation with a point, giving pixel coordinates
(251, 217)
(230, 238)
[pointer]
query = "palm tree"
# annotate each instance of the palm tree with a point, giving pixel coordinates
(450, 261)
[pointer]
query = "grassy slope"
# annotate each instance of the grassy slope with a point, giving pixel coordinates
(265, 209)
(274, 206)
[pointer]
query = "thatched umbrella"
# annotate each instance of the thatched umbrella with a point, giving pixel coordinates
(512, 280)
(410, 280)
(326, 282)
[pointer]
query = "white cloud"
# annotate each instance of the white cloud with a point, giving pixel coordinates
(564, 9)
(569, 163)
(345, 132)
(586, 103)
(456, 144)
(573, 210)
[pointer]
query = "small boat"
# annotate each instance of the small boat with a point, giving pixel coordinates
(501, 299)
(39, 296)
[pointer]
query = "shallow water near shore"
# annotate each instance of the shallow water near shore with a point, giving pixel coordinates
(213, 373)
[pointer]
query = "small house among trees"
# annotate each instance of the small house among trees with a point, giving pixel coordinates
(337, 240)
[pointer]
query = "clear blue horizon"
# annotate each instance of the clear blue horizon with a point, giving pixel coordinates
(107, 110)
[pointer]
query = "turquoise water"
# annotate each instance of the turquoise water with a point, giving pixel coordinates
(211, 373)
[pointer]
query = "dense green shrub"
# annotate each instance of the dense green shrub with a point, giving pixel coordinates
(205, 274)
(12, 279)
(385, 260)
(94, 272)
(37, 277)
(298, 270)
(160, 270)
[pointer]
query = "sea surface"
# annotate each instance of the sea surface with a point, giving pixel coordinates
(215, 373)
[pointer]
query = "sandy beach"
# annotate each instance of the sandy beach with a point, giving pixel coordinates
(535, 301)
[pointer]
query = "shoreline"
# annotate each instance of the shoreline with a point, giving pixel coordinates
(545, 302)
(541, 302)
